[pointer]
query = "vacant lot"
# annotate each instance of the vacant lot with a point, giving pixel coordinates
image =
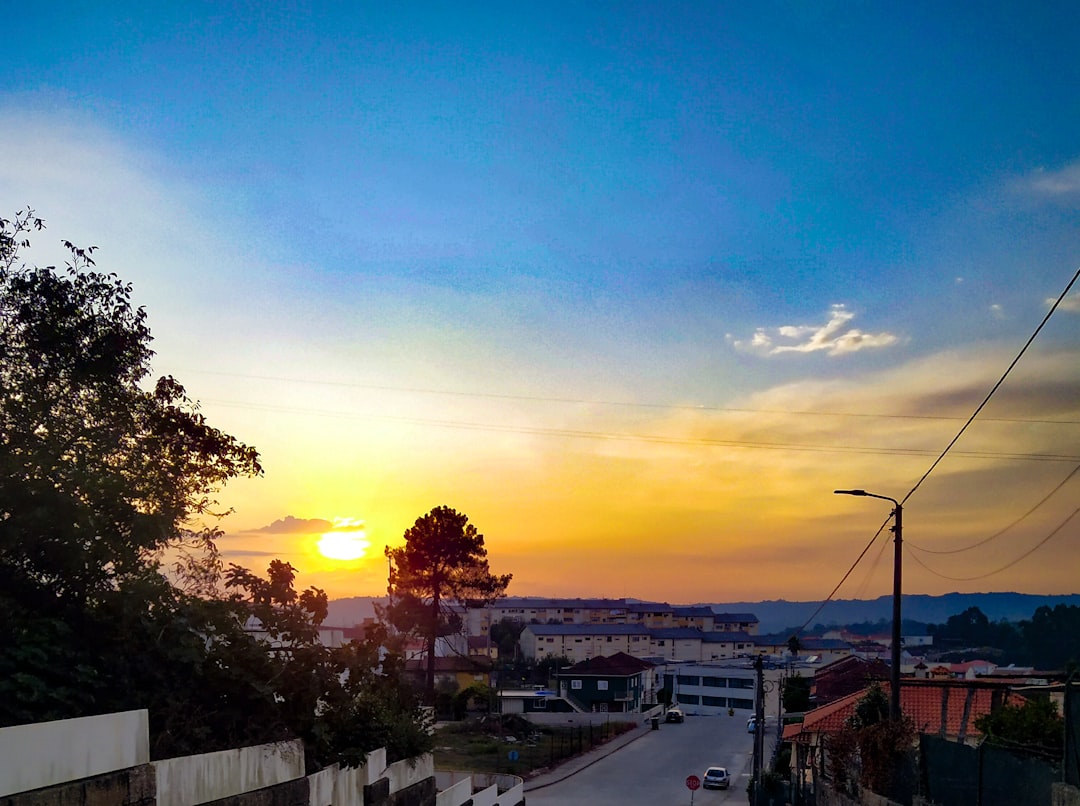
(513, 745)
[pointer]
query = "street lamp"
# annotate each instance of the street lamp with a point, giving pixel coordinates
(898, 531)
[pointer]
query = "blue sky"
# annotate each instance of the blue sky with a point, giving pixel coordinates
(453, 215)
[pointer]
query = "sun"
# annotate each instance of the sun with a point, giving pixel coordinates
(348, 540)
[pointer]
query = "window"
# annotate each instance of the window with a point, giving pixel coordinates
(717, 702)
(540, 704)
(609, 639)
(601, 685)
(735, 702)
(689, 699)
(659, 643)
(689, 680)
(714, 682)
(576, 685)
(740, 682)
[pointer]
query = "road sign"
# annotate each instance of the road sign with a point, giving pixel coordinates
(693, 782)
(513, 755)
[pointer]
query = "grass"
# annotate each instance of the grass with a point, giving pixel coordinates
(485, 745)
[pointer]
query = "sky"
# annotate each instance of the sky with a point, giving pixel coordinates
(635, 286)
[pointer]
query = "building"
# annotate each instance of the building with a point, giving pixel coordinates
(580, 642)
(617, 683)
(710, 688)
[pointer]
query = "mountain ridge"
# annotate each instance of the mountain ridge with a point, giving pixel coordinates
(779, 614)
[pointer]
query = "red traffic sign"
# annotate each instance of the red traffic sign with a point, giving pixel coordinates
(693, 782)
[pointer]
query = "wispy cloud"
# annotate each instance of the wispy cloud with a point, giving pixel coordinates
(295, 526)
(1058, 184)
(833, 338)
(1071, 303)
(291, 525)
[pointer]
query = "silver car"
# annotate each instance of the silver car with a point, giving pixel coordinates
(716, 777)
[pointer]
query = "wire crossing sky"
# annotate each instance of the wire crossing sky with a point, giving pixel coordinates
(635, 287)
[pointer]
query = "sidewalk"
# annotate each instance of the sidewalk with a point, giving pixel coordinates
(578, 763)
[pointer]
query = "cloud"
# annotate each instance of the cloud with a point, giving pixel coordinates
(1071, 303)
(1054, 184)
(295, 526)
(833, 337)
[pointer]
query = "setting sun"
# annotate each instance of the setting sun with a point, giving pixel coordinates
(348, 540)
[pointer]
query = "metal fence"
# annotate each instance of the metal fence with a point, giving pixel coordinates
(953, 772)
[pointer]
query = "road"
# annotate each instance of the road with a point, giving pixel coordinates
(652, 770)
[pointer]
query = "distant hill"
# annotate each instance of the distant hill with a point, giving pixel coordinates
(775, 615)
(352, 611)
(778, 614)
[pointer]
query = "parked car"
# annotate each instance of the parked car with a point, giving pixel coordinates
(674, 715)
(716, 777)
(751, 724)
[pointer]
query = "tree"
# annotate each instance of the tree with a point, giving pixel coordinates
(99, 476)
(796, 694)
(505, 634)
(443, 562)
(1034, 727)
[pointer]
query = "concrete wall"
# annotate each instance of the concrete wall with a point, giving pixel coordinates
(50, 753)
(1064, 795)
(207, 777)
(103, 760)
(456, 788)
(455, 794)
(568, 719)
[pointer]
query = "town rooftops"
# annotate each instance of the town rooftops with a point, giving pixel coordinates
(677, 633)
(693, 611)
(736, 618)
(587, 629)
(926, 702)
(619, 665)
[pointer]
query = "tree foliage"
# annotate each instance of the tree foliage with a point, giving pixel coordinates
(104, 477)
(796, 694)
(1035, 727)
(443, 563)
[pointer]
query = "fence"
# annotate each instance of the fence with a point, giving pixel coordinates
(952, 772)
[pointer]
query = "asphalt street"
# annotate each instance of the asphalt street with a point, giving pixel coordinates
(653, 768)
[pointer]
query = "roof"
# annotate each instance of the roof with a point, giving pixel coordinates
(542, 603)
(676, 633)
(618, 665)
(451, 663)
(921, 700)
(693, 611)
(721, 637)
(587, 629)
(745, 618)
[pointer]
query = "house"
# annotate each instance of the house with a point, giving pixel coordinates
(824, 649)
(736, 622)
(457, 669)
(845, 676)
(608, 684)
(946, 708)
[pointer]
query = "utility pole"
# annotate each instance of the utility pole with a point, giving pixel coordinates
(759, 724)
(898, 539)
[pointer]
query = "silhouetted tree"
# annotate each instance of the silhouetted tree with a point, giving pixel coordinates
(443, 563)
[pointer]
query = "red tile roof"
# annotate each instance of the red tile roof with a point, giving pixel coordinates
(922, 701)
(619, 665)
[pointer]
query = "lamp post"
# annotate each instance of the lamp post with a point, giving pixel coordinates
(898, 531)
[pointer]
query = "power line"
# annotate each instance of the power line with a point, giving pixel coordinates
(569, 433)
(844, 578)
(999, 533)
(996, 386)
(1008, 565)
(615, 403)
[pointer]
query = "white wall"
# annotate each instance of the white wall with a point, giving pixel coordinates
(190, 780)
(50, 753)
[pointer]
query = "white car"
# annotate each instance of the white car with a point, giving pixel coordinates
(716, 777)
